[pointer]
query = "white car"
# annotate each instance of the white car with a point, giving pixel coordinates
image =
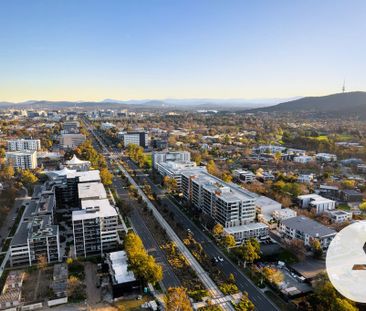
(220, 258)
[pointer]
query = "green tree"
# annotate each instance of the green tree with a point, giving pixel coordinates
(177, 300)
(316, 248)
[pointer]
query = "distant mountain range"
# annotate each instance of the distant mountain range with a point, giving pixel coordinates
(179, 104)
(350, 104)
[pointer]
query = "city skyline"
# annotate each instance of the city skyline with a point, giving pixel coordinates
(92, 50)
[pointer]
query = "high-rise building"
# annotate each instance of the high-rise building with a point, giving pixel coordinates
(22, 159)
(24, 144)
(94, 227)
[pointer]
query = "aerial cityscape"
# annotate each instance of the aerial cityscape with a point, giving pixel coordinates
(182, 155)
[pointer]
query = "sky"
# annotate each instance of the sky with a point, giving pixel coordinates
(156, 49)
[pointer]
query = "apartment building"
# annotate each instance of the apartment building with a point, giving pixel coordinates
(306, 229)
(66, 183)
(94, 228)
(175, 169)
(228, 204)
(326, 157)
(24, 144)
(22, 159)
(170, 156)
(140, 138)
(244, 176)
(71, 141)
(316, 202)
(339, 216)
(37, 235)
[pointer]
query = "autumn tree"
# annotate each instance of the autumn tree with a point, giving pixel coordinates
(28, 178)
(177, 300)
(273, 275)
(106, 176)
(244, 304)
(218, 230)
(228, 241)
(142, 264)
(170, 184)
(249, 251)
(316, 248)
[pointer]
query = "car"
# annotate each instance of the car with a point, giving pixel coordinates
(215, 260)
(220, 258)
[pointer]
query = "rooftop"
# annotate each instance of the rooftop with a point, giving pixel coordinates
(308, 226)
(93, 209)
(91, 190)
(118, 267)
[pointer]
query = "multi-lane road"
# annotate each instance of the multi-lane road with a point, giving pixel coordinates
(260, 300)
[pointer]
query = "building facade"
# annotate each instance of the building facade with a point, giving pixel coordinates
(22, 159)
(24, 144)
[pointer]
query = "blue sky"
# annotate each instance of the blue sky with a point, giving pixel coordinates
(91, 50)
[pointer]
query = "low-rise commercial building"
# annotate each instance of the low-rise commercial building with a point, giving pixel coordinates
(284, 213)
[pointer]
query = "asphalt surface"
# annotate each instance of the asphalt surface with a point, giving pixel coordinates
(259, 299)
(169, 277)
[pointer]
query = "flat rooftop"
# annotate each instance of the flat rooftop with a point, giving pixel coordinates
(308, 226)
(118, 268)
(91, 190)
(94, 208)
(247, 227)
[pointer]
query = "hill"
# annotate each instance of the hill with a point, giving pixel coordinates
(349, 104)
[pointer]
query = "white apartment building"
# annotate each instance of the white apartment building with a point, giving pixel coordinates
(94, 227)
(306, 229)
(339, 216)
(326, 157)
(170, 156)
(265, 208)
(107, 126)
(228, 204)
(244, 176)
(136, 138)
(283, 214)
(303, 159)
(305, 178)
(24, 144)
(71, 141)
(174, 169)
(316, 202)
(22, 159)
